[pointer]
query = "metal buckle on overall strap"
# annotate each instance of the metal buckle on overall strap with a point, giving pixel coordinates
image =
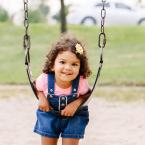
(63, 100)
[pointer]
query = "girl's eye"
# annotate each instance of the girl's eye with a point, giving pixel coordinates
(62, 62)
(74, 64)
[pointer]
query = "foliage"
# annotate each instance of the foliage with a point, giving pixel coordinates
(3, 15)
(57, 16)
(36, 16)
(44, 9)
(39, 15)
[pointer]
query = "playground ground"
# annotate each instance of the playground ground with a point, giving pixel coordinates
(111, 122)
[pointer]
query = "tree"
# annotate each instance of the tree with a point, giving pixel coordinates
(3, 15)
(63, 18)
(39, 14)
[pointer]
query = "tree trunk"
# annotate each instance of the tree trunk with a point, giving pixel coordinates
(63, 18)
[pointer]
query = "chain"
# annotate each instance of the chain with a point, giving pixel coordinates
(102, 35)
(101, 43)
(26, 23)
(26, 43)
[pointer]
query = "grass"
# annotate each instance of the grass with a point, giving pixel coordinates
(124, 53)
(123, 67)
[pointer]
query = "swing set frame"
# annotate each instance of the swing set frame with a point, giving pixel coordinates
(27, 46)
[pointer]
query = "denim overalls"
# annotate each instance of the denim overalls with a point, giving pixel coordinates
(52, 124)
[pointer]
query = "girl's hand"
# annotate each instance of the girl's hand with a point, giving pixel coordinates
(70, 109)
(43, 103)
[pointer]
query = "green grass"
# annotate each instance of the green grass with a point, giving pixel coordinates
(124, 54)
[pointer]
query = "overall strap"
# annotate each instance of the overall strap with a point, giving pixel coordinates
(51, 81)
(75, 85)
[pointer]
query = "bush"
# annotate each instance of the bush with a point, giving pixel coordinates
(57, 16)
(36, 16)
(44, 9)
(39, 15)
(3, 15)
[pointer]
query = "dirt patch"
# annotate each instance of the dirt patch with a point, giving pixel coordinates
(111, 123)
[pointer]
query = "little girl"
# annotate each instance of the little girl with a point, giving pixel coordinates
(61, 90)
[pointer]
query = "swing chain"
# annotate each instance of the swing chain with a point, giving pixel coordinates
(26, 23)
(101, 43)
(102, 35)
(26, 42)
(27, 45)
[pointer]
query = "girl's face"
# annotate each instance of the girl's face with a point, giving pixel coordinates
(66, 68)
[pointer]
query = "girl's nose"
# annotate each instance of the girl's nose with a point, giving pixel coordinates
(68, 66)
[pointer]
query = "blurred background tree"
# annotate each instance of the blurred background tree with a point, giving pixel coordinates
(57, 16)
(40, 14)
(3, 15)
(63, 18)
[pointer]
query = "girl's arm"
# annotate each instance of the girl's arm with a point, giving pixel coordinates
(43, 103)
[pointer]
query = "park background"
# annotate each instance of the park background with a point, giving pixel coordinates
(122, 77)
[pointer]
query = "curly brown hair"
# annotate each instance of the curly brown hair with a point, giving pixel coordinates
(67, 44)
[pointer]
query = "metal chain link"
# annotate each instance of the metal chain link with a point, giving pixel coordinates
(26, 42)
(26, 23)
(102, 35)
(101, 43)
(27, 45)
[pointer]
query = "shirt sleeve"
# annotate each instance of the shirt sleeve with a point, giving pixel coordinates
(83, 86)
(41, 82)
